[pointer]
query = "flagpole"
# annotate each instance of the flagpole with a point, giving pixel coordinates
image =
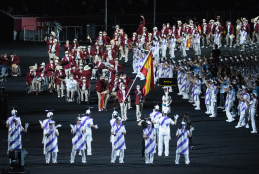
(136, 76)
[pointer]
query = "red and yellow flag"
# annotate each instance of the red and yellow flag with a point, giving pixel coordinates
(147, 70)
(102, 101)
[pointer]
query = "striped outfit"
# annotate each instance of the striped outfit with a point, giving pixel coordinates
(119, 142)
(78, 142)
(182, 145)
(11, 124)
(87, 122)
(51, 145)
(155, 116)
(164, 134)
(150, 144)
(228, 104)
(253, 106)
(15, 138)
(207, 100)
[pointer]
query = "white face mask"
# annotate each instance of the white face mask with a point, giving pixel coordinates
(100, 34)
(138, 88)
(167, 25)
(104, 34)
(84, 80)
(66, 54)
(71, 78)
(124, 77)
(97, 48)
(74, 67)
(74, 41)
(123, 87)
(51, 61)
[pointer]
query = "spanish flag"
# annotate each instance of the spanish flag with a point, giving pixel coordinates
(102, 101)
(147, 70)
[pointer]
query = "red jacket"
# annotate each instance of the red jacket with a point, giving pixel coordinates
(123, 43)
(15, 60)
(88, 54)
(58, 75)
(80, 54)
(106, 40)
(111, 85)
(112, 73)
(134, 39)
(57, 48)
(75, 73)
(87, 74)
(99, 53)
(138, 96)
(49, 69)
(29, 77)
(67, 47)
(99, 65)
(87, 85)
(140, 28)
(49, 43)
(231, 29)
(163, 32)
(100, 85)
(119, 86)
(66, 62)
(105, 55)
(41, 71)
(120, 96)
(4, 60)
(178, 32)
(256, 29)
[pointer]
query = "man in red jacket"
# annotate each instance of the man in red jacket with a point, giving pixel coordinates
(140, 28)
(60, 74)
(50, 70)
(15, 62)
(229, 33)
(66, 62)
(41, 74)
(84, 86)
(98, 67)
(111, 90)
(31, 78)
(122, 98)
(100, 86)
(54, 50)
(4, 59)
(106, 39)
(67, 46)
(139, 102)
(125, 47)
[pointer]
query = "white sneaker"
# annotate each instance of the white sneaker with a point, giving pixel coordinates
(179, 93)
(237, 126)
(99, 110)
(112, 162)
(89, 153)
(84, 162)
(206, 112)
(194, 104)
(247, 125)
(254, 132)
(202, 46)
(159, 154)
(121, 162)
(219, 107)
(170, 90)
(197, 108)
(177, 163)
(72, 162)
(212, 116)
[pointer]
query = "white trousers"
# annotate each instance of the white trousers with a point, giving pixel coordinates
(177, 157)
(241, 121)
(253, 121)
(67, 72)
(88, 140)
(149, 158)
(114, 155)
(139, 110)
(163, 138)
(197, 100)
(208, 108)
(54, 157)
(213, 108)
(228, 108)
(73, 155)
(123, 107)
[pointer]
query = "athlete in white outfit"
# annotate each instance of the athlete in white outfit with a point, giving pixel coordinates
(149, 134)
(164, 132)
(253, 106)
(87, 122)
(229, 103)
(155, 116)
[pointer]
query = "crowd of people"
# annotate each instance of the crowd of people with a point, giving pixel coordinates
(196, 78)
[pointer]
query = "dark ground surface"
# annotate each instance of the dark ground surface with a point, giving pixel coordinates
(219, 147)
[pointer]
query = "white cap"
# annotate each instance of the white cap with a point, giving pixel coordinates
(49, 114)
(148, 122)
(156, 107)
(14, 112)
(88, 111)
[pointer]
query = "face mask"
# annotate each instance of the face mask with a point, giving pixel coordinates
(138, 88)
(74, 67)
(97, 47)
(74, 41)
(51, 127)
(183, 126)
(124, 77)
(167, 25)
(84, 80)
(149, 126)
(5, 56)
(51, 61)
(71, 78)
(123, 87)
(100, 34)
(104, 34)
(79, 122)
(173, 27)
